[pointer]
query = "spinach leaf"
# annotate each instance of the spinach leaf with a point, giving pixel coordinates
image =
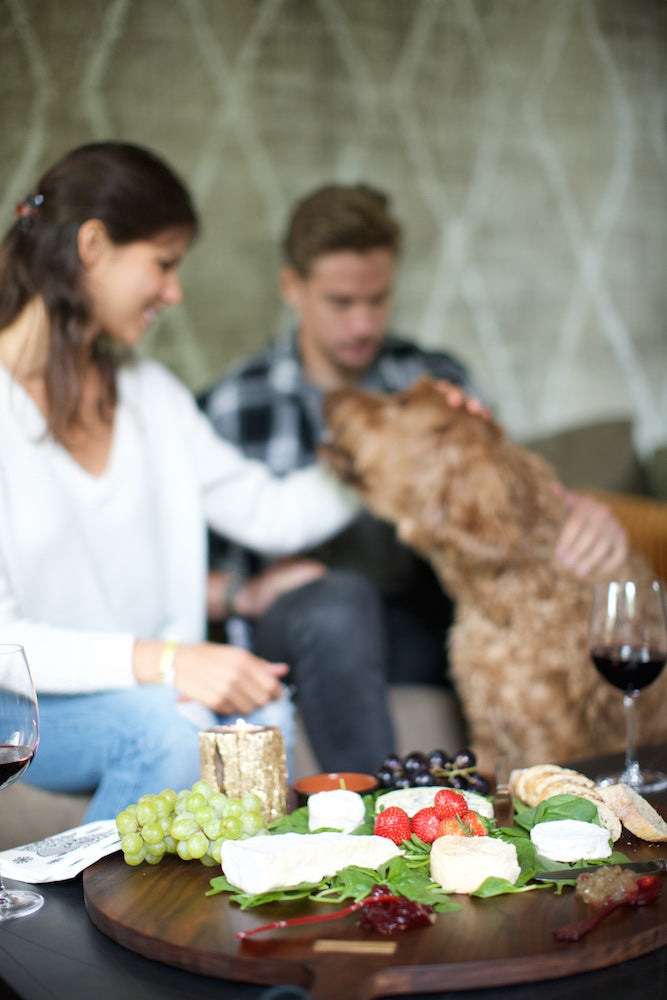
(493, 886)
(246, 900)
(559, 807)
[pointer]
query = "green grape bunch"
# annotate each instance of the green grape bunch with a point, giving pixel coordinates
(192, 823)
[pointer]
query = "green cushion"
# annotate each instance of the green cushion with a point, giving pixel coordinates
(600, 455)
(656, 473)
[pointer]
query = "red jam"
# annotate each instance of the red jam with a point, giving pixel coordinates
(388, 914)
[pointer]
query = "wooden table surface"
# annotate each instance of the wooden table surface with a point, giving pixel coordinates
(163, 913)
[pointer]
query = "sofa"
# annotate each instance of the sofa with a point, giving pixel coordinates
(598, 458)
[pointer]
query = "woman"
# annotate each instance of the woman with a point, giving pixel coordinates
(109, 477)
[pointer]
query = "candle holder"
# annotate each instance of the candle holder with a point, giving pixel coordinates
(243, 758)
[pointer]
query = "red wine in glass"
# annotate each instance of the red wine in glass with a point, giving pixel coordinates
(627, 667)
(14, 760)
(19, 736)
(628, 646)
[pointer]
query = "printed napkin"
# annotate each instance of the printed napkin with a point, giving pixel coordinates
(62, 856)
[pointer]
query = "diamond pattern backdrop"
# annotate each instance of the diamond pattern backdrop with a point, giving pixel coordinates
(523, 142)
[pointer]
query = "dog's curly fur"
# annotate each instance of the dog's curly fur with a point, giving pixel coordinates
(487, 513)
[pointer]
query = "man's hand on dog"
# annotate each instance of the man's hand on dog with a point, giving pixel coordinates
(592, 540)
(456, 397)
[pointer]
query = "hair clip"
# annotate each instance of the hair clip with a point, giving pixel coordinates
(28, 210)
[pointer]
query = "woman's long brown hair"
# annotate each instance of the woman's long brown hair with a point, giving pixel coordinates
(137, 197)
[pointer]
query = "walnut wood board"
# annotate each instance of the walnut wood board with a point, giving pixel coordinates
(162, 912)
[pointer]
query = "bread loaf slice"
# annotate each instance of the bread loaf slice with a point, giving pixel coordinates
(635, 813)
(541, 781)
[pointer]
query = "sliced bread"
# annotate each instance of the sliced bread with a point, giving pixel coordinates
(635, 813)
(541, 781)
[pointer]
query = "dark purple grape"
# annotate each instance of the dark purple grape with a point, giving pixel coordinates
(438, 758)
(459, 781)
(422, 770)
(479, 784)
(423, 779)
(414, 762)
(392, 762)
(385, 778)
(465, 758)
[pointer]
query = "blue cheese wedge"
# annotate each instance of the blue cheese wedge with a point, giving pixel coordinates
(260, 864)
(414, 799)
(338, 809)
(571, 840)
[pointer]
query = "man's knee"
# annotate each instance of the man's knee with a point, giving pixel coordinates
(340, 602)
(345, 589)
(339, 610)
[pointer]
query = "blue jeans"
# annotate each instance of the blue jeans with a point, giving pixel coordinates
(123, 744)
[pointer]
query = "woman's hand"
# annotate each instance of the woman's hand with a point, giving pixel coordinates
(592, 539)
(227, 679)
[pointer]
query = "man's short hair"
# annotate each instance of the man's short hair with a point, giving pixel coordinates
(339, 217)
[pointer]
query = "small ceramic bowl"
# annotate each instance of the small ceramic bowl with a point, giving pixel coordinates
(351, 780)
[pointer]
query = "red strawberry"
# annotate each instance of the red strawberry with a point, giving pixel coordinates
(393, 823)
(473, 823)
(449, 802)
(468, 825)
(425, 824)
(451, 827)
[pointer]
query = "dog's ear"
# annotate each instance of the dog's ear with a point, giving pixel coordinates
(460, 498)
(498, 505)
(482, 521)
(485, 507)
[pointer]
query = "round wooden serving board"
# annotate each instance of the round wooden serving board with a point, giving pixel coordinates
(163, 913)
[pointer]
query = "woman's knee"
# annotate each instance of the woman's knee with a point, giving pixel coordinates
(145, 725)
(137, 730)
(153, 707)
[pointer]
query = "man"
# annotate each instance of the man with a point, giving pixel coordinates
(362, 610)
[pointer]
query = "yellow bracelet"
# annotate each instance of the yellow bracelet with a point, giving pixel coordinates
(166, 666)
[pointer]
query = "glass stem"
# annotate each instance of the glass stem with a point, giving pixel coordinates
(631, 764)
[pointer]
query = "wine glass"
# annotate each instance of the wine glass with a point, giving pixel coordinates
(19, 736)
(628, 645)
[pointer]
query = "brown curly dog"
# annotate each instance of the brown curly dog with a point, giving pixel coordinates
(486, 513)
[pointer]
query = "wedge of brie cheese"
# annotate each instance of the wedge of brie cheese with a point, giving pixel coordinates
(260, 864)
(571, 840)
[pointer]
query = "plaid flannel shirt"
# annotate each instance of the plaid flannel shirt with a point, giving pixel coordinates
(266, 406)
